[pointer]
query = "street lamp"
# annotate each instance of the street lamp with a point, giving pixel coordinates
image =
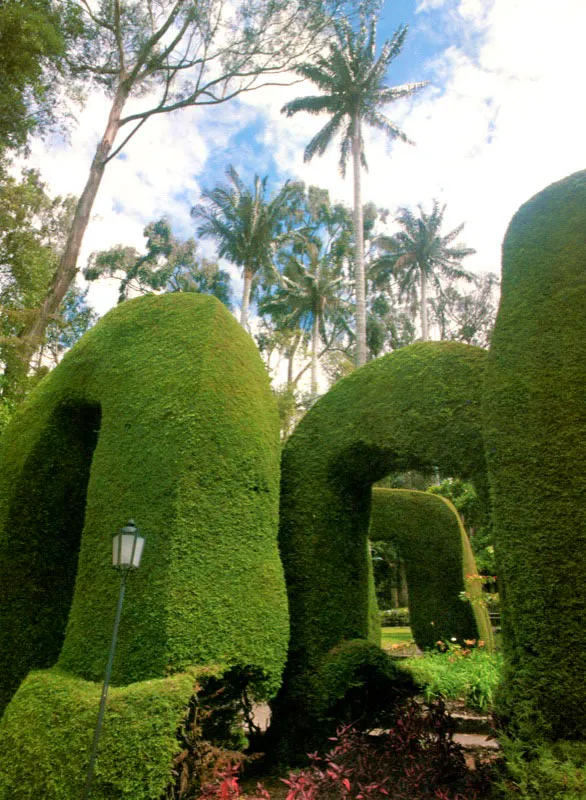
(127, 548)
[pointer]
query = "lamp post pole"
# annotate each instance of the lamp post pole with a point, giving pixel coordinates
(126, 554)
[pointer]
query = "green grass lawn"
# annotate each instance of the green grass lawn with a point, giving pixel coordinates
(398, 641)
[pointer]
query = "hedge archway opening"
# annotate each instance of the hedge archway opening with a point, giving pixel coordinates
(415, 409)
(188, 446)
(44, 523)
(439, 563)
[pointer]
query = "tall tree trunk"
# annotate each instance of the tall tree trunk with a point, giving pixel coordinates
(291, 360)
(359, 255)
(246, 297)
(424, 327)
(32, 334)
(403, 593)
(314, 341)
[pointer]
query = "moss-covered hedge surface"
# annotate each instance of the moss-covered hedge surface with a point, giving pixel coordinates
(161, 413)
(47, 730)
(416, 408)
(535, 431)
(439, 563)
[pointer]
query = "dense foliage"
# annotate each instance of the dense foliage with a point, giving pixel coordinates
(415, 759)
(438, 560)
(535, 418)
(189, 448)
(414, 408)
(46, 735)
(35, 36)
(468, 673)
(33, 227)
(167, 265)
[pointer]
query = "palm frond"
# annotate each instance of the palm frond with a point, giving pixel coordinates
(321, 73)
(390, 50)
(322, 139)
(382, 123)
(313, 104)
(389, 94)
(345, 149)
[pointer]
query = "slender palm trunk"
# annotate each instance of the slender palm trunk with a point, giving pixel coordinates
(424, 326)
(291, 360)
(246, 297)
(359, 240)
(32, 335)
(314, 343)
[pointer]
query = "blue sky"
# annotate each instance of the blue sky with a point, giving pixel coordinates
(504, 115)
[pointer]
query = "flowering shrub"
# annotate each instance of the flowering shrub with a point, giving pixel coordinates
(226, 786)
(416, 759)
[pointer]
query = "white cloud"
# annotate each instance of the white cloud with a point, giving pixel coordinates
(503, 118)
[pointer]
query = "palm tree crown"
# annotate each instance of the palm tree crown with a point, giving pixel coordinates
(310, 293)
(244, 224)
(352, 81)
(420, 254)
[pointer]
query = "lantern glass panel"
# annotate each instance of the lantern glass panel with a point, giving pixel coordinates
(127, 550)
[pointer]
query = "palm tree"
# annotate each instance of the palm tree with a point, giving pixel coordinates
(352, 81)
(245, 226)
(309, 295)
(419, 254)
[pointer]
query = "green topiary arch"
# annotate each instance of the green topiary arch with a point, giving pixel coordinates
(163, 413)
(439, 562)
(535, 432)
(413, 409)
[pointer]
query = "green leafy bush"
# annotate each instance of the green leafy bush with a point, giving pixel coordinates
(162, 413)
(416, 408)
(439, 564)
(359, 684)
(534, 426)
(395, 618)
(46, 735)
(458, 673)
(542, 771)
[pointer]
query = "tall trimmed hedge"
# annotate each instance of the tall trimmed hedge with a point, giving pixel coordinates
(46, 737)
(416, 408)
(162, 413)
(439, 564)
(535, 431)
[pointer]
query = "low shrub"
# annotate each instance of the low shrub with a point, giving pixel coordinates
(211, 737)
(360, 685)
(535, 772)
(357, 683)
(416, 759)
(395, 618)
(454, 672)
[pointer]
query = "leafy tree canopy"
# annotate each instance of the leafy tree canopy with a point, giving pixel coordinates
(33, 229)
(245, 223)
(166, 55)
(168, 265)
(420, 256)
(35, 37)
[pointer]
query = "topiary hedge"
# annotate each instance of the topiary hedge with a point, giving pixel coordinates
(535, 432)
(416, 408)
(46, 736)
(358, 683)
(162, 413)
(439, 563)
